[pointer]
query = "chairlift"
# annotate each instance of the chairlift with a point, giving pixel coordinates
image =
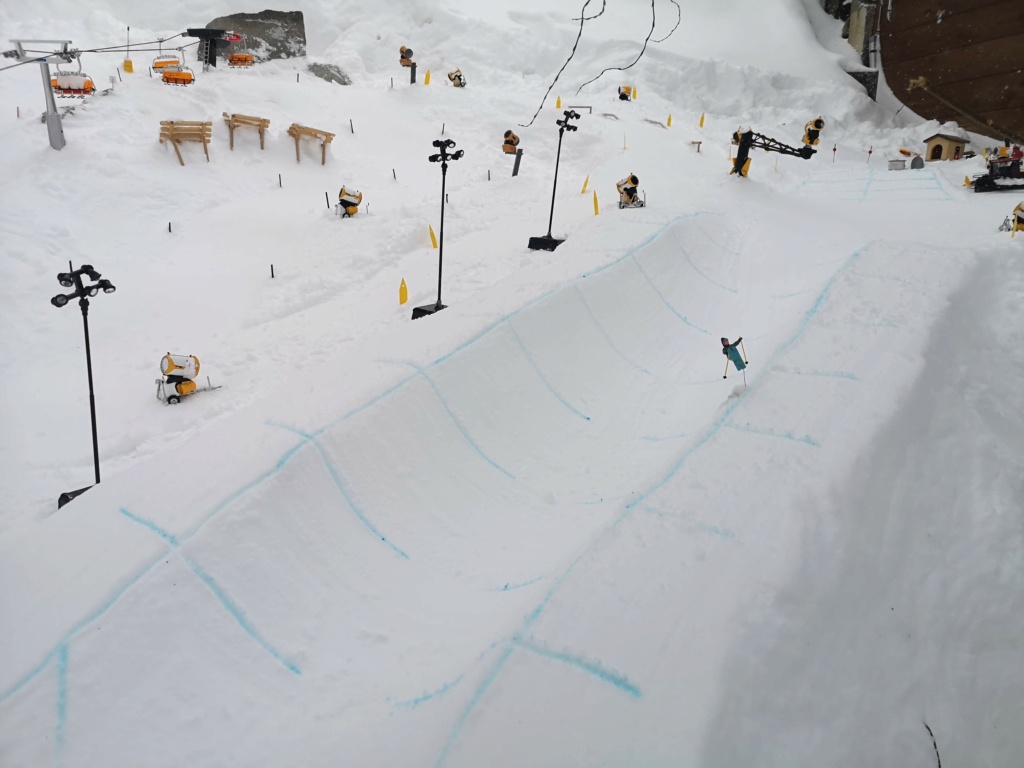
(177, 74)
(165, 60)
(241, 60)
(72, 85)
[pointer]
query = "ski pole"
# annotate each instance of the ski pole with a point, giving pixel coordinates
(726, 367)
(744, 356)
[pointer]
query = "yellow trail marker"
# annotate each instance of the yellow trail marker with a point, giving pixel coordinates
(670, 121)
(633, 96)
(403, 293)
(585, 182)
(597, 210)
(426, 78)
(128, 67)
(702, 120)
(967, 181)
(433, 237)
(558, 103)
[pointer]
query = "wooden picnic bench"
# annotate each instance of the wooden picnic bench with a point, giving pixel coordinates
(298, 131)
(177, 131)
(259, 123)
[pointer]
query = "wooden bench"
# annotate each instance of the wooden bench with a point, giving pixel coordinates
(259, 123)
(298, 131)
(177, 131)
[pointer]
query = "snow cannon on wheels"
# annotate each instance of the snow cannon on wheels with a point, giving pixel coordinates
(625, 93)
(348, 202)
(628, 197)
(457, 78)
(179, 374)
(745, 139)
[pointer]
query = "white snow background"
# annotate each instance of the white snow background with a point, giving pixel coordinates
(537, 528)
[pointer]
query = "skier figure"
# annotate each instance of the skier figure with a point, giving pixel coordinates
(733, 354)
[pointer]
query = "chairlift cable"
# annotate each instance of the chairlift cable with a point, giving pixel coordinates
(583, 19)
(623, 69)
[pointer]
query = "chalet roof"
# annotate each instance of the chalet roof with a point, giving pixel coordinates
(951, 137)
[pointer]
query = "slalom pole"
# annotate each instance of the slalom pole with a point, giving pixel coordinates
(726, 367)
(744, 351)
(744, 377)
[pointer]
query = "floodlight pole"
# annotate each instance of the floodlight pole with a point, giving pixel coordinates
(442, 156)
(440, 246)
(82, 292)
(84, 304)
(547, 242)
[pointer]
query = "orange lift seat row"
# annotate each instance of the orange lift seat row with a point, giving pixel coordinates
(241, 60)
(178, 76)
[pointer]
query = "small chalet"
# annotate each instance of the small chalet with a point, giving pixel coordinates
(944, 146)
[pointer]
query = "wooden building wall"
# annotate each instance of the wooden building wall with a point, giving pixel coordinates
(971, 53)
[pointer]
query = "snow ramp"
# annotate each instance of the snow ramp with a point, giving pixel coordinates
(529, 545)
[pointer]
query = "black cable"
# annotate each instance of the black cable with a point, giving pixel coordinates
(588, 18)
(623, 69)
(12, 66)
(571, 54)
(679, 18)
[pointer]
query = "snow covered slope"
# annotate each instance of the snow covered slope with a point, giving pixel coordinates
(537, 528)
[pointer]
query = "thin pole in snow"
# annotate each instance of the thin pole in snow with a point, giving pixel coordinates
(392, 82)
(119, 75)
(442, 129)
(393, 174)
(488, 174)
(351, 126)
(271, 271)
(296, 77)
(279, 180)
(168, 226)
(328, 199)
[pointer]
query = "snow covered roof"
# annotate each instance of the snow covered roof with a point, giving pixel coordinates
(950, 136)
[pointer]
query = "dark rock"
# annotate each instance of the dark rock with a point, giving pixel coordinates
(330, 73)
(868, 78)
(266, 35)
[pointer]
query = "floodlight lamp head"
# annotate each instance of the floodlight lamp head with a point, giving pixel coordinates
(66, 280)
(59, 300)
(438, 143)
(88, 269)
(458, 155)
(434, 158)
(106, 285)
(93, 290)
(449, 143)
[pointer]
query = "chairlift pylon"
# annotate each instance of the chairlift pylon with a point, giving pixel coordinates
(72, 85)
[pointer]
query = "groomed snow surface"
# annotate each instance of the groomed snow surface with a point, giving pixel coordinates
(538, 528)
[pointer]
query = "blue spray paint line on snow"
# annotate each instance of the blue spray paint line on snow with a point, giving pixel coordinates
(62, 697)
(724, 533)
(351, 504)
(591, 667)
(665, 301)
(239, 615)
(604, 334)
(510, 587)
(236, 613)
(413, 703)
(656, 439)
(543, 378)
(169, 538)
(474, 701)
(686, 255)
(806, 439)
(826, 374)
(458, 425)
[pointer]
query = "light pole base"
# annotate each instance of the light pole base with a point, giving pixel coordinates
(545, 243)
(67, 496)
(426, 309)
